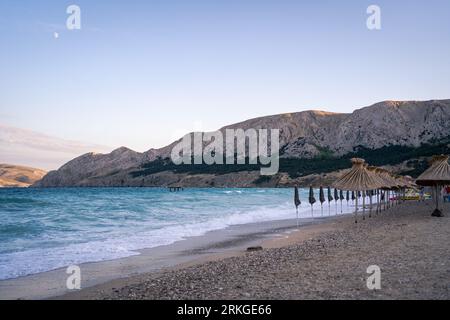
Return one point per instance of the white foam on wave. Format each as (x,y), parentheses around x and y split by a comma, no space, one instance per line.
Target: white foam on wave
(33,261)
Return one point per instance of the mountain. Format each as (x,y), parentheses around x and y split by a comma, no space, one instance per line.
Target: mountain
(400,134)
(19,176)
(26,147)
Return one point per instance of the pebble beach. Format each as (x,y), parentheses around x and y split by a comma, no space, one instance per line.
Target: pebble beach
(410,247)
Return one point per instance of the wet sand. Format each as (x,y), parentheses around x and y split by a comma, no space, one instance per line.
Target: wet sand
(322,261)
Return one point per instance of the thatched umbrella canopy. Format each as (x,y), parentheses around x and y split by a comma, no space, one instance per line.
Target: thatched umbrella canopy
(375,174)
(297,201)
(357,179)
(311,198)
(386,179)
(438,174)
(389,183)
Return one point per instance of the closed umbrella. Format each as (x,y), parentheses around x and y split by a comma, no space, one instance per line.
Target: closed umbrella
(321,199)
(297,201)
(330,198)
(336,198)
(311,199)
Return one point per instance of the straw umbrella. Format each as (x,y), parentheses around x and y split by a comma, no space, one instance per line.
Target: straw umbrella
(437,175)
(357,179)
(372,171)
(330,198)
(321,199)
(388,185)
(311,199)
(297,201)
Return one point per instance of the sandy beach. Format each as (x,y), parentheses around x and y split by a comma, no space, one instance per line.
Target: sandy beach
(326,260)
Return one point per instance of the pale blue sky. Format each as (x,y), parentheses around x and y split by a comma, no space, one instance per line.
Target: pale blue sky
(138,72)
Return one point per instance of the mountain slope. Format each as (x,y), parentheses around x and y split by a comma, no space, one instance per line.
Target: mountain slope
(19,176)
(303,135)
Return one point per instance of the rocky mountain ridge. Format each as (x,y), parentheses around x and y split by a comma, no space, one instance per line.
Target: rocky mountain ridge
(303,135)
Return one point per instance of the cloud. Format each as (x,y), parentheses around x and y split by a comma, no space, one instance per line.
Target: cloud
(26,147)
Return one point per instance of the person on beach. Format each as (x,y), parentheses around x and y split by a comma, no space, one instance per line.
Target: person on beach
(446,192)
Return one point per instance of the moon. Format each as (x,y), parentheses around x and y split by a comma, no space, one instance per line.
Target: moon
(56,35)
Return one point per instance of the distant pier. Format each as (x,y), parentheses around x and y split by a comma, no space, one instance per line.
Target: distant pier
(175,189)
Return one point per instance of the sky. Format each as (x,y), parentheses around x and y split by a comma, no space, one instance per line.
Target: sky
(142,73)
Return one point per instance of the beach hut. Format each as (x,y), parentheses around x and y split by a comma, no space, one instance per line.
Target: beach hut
(357,179)
(437,175)
(321,199)
(297,201)
(311,199)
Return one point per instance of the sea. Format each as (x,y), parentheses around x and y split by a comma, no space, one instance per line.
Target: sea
(44,229)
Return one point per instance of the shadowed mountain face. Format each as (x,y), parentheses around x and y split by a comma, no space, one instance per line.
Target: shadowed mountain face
(19,176)
(303,135)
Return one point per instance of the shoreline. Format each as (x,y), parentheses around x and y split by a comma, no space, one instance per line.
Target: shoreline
(211,246)
(328,260)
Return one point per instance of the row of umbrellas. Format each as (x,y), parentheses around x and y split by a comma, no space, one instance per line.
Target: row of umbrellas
(369,181)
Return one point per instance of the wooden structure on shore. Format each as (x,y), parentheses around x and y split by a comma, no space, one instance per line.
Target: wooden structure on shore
(175,189)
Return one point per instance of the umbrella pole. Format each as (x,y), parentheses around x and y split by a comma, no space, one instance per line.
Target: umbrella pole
(312,212)
(296,209)
(356,210)
(370,199)
(364,206)
(378,200)
(388,199)
(437,212)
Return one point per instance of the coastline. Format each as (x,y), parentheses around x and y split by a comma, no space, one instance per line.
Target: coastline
(328,260)
(213,245)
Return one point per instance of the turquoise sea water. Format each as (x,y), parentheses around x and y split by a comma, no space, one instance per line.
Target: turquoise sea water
(44,229)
